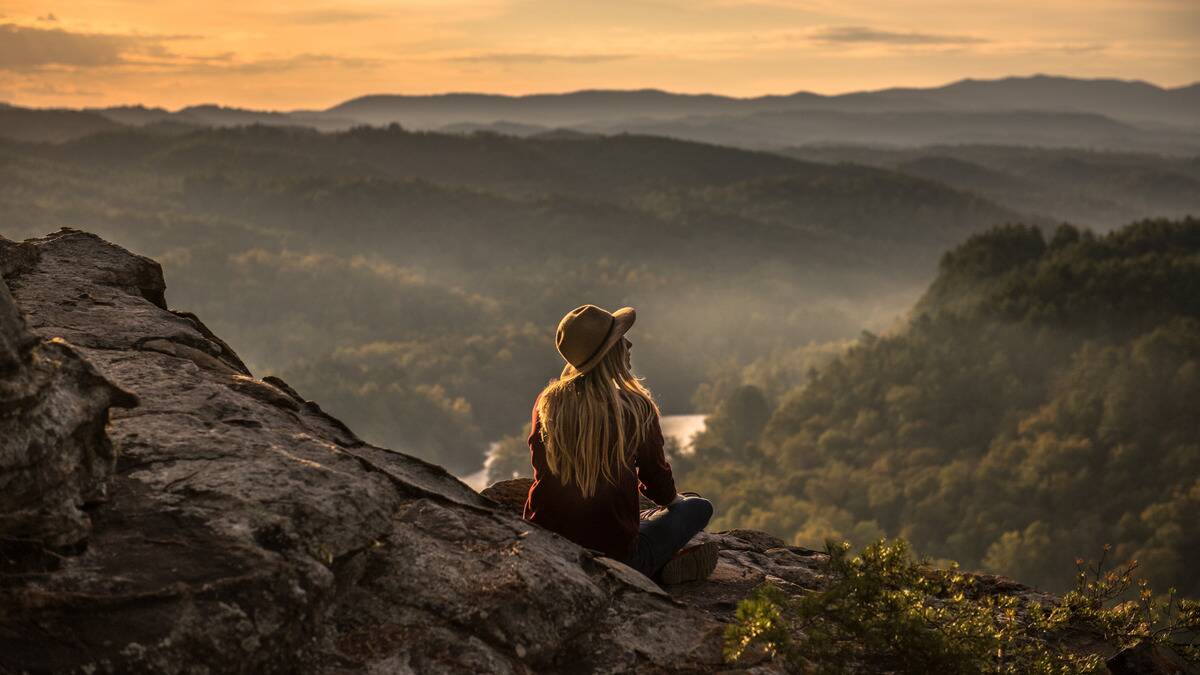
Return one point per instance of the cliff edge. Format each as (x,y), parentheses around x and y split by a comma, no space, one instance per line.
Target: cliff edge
(226,524)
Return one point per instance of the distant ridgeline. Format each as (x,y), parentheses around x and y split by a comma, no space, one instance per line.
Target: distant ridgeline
(1040,403)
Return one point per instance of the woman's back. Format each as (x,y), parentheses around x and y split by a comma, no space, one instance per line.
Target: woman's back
(607,520)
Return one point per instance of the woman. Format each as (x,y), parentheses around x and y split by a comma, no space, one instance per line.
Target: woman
(595,442)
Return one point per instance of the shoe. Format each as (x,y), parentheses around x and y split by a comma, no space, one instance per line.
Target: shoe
(693,563)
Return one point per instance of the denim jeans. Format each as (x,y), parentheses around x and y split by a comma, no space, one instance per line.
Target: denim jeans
(665,530)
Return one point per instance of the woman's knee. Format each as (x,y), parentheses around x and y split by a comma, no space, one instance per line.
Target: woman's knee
(701,508)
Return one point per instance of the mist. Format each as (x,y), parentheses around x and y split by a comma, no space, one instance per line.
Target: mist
(418,297)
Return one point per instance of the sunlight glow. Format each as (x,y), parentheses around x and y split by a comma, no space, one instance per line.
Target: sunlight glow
(316,54)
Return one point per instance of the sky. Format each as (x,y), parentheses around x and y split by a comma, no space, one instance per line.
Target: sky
(313,54)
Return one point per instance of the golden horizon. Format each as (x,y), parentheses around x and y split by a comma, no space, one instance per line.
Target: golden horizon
(315,55)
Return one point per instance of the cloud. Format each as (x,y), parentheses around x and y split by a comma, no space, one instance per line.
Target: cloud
(23,48)
(867,35)
(513,58)
(1077,48)
(29,48)
(329,15)
(50,89)
(295,62)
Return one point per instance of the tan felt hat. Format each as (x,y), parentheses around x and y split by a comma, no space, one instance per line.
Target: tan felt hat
(586,334)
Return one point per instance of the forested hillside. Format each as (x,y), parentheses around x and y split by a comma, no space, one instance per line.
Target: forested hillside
(1101,189)
(1041,402)
(414,279)
(25,124)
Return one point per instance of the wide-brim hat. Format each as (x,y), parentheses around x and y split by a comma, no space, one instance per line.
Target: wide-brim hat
(586,334)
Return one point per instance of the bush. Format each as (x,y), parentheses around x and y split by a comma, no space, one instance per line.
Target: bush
(1099,601)
(887,609)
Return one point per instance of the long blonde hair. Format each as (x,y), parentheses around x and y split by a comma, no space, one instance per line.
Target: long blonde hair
(585,418)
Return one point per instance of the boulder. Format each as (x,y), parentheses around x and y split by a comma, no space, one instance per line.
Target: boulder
(55,458)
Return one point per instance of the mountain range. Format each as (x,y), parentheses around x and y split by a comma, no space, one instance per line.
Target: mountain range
(1135,102)
(1039,111)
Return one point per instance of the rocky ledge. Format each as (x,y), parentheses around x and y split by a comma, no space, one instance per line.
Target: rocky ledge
(226,524)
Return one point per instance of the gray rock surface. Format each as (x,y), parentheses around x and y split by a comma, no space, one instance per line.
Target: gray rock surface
(245,530)
(55,458)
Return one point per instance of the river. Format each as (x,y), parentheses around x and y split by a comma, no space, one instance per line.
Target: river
(680,427)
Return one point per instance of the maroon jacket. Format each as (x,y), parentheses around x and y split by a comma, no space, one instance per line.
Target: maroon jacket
(608,520)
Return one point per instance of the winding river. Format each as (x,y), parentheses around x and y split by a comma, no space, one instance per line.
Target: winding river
(680,427)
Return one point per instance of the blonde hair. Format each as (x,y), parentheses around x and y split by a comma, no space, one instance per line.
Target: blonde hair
(585,419)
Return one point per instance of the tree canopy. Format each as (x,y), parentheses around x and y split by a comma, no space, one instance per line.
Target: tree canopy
(1039,403)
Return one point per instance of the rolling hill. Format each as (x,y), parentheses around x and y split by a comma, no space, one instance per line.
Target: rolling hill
(1080,186)
(1033,111)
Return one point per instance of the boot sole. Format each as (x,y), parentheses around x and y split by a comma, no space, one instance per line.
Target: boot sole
(694,564)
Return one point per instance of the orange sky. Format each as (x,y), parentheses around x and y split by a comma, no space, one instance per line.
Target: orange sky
(316,53)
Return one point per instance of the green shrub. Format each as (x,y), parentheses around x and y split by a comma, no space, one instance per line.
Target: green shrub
(1101,601)
(884,608)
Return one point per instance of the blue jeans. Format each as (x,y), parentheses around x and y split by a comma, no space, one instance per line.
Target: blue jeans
(665,530)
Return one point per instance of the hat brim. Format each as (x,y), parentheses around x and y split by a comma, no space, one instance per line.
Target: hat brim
(622,321)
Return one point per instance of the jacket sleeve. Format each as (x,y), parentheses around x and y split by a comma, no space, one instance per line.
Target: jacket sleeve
(537,458)
(537,449)
(654,471)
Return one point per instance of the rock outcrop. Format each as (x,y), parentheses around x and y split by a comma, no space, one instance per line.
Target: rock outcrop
(55,458)
(226,524)
(245,530)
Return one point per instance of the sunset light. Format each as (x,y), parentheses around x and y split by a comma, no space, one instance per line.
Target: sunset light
(314,54)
